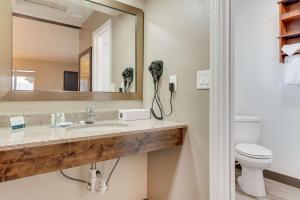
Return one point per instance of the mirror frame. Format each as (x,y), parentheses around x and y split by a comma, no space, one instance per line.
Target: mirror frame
(96,96)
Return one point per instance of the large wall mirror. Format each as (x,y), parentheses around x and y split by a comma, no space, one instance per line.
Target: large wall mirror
(76,50)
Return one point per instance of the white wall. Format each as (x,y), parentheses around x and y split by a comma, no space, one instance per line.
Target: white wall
(259,83)
(177,32)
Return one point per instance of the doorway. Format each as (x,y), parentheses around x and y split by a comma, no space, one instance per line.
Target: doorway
(222,101)
(102,50)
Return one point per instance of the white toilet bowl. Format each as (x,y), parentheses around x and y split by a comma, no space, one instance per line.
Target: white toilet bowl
(253,159)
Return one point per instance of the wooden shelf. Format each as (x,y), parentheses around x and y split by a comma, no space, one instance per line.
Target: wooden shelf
(289,24)
(292,35)
(30,161)
(288,2)
(290,16)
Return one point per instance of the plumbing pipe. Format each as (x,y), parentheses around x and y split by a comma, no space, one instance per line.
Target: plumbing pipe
(93,177)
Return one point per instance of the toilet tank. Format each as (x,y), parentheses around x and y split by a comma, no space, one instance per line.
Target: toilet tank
(247,129)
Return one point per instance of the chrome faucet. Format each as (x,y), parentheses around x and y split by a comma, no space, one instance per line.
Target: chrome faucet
(90,114)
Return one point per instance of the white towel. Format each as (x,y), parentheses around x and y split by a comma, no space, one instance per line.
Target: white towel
(292,70)
(290,49)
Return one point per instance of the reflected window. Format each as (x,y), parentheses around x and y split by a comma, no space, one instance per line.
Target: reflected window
(23,80)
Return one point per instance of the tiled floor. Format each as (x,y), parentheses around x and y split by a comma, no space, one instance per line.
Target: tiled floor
(275,191)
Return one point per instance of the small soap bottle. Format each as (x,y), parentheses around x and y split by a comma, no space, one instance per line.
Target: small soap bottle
(58,118)
(62,118)
(53,120)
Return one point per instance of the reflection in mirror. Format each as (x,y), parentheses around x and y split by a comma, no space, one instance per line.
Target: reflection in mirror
(85,68)
(67,45)
(23,79)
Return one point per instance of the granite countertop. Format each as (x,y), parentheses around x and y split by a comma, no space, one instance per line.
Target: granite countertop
(33,136)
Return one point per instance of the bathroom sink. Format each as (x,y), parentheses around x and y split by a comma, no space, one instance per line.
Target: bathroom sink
(97,127)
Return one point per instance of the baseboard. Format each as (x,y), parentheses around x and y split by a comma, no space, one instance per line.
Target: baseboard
(279,178)
(282,178)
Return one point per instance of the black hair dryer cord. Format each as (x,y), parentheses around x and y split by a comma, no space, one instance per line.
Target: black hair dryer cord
(157,101)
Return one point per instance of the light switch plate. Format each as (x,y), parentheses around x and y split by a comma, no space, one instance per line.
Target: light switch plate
(203,80)
(173,79)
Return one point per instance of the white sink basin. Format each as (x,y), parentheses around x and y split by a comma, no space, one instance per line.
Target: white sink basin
(97,127)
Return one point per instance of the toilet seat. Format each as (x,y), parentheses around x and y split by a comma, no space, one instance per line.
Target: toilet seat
(253,151)
(252,180)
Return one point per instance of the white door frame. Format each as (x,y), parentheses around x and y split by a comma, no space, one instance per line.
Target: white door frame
(222,186)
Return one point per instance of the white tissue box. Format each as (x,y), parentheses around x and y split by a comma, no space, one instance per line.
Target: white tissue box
(134,114)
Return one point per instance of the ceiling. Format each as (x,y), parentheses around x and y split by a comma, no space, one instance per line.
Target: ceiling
(73,12)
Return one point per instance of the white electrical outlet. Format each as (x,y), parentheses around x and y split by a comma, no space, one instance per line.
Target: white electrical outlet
(173,79)
(203,80)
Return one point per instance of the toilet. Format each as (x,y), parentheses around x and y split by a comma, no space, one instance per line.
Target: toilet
(252,157)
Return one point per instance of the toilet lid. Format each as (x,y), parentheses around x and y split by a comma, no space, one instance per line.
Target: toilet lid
(253,151)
